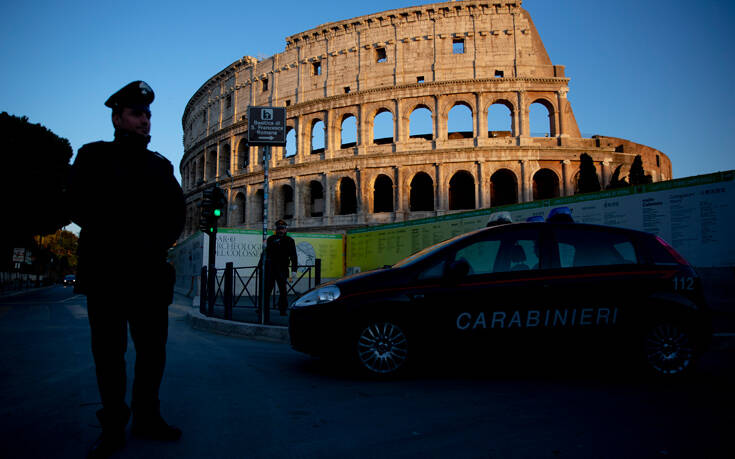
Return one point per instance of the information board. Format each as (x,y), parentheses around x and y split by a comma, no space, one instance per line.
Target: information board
(695,215)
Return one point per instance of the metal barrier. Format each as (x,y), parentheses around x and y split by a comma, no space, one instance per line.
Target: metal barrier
(237,291)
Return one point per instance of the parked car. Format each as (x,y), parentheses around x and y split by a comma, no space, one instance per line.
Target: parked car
(511,286)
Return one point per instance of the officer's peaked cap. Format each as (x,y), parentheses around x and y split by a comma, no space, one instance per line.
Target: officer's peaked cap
(134,95)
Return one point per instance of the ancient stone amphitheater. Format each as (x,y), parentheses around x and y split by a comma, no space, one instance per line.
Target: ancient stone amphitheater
(429,63)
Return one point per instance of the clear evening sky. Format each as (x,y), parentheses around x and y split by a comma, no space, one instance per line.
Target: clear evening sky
(657,72)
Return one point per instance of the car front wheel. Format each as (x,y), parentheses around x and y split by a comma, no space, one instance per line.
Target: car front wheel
(669,349)
(382,348)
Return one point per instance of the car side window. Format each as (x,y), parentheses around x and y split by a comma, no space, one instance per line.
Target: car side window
(579,247)
(496,253)
(480,256)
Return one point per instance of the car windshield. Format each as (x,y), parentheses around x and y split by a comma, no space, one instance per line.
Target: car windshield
(421,254)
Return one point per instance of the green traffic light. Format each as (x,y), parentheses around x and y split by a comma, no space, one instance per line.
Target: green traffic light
(211,230)
(217,212)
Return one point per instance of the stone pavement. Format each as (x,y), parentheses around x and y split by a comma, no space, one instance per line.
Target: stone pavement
(244,325)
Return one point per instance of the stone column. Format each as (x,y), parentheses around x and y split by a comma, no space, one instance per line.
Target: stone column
(399,130)
(398,205)
(478,124)
(566,179)
(360,198)
(300,149)
(438,189)
(329,199)
(440,124)
(328,135)
(561,97)
(524,182)
(479,204)
(605,173)
(362,130)
(522,122)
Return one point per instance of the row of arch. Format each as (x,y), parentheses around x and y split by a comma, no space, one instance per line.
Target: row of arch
(458,121)
(345,201)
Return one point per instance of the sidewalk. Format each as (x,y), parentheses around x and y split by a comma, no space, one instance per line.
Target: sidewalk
(278,332)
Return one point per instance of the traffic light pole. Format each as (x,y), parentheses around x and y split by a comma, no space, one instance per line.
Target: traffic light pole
(265,308)
(212,275)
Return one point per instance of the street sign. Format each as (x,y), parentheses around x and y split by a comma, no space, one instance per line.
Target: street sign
(267,126)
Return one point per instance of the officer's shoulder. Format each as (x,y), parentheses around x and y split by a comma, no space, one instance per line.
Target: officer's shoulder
(93,152)
(162,161)
(95,146)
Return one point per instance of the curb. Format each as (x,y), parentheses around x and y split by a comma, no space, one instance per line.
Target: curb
(270,333)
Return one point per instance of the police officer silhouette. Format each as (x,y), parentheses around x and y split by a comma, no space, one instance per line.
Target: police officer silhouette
(280,250)
(131,210)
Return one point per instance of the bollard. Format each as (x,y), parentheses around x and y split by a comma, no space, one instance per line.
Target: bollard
(228,290)
(211,290)
(203,292)
(317,271)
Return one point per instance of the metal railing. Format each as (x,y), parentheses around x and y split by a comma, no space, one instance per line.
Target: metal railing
(235,293)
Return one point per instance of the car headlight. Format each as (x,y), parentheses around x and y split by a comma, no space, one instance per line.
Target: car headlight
(319,296)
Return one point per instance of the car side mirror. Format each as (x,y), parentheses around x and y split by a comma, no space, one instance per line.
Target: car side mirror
(457,270)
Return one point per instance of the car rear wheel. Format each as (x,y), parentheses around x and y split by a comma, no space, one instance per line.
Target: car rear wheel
(669,349)
(382,348)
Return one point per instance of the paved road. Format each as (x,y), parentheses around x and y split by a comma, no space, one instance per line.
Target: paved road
(241,398)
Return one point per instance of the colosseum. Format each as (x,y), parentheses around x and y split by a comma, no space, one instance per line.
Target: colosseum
(427,64)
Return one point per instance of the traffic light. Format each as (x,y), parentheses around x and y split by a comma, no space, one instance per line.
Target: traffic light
(219,201)
(212,207)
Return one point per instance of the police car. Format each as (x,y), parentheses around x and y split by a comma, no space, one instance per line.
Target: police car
(513,284)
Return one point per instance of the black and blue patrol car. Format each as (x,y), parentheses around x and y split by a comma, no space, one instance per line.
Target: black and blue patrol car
(531,283)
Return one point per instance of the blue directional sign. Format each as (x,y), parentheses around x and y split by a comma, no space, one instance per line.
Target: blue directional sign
(267,126)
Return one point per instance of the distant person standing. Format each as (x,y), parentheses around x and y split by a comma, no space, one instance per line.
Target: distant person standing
(279,251)
(131,210)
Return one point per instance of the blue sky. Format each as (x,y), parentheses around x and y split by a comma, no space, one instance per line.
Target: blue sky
(652,71)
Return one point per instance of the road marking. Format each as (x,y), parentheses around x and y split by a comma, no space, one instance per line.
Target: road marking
(724,335)
(70,298)
(77,311)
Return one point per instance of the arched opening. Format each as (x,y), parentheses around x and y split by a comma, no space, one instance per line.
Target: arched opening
(193,175)
(238,211)
(545,184)
(317,137)
(291,148)
(224,160)
(348,132)
(243,154)
(503,188)
(419,124)
(500,119)
(287,201)
(422,193)
(316,199)
(211,164)
(383,127)
(459,122)
(347,197)
(541,119)
(462,191)
(200,169)
(383,194)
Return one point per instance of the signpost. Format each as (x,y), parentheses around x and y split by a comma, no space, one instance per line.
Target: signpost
(266,128)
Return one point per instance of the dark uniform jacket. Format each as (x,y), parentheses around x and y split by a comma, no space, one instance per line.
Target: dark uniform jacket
(131,210)
(278,253)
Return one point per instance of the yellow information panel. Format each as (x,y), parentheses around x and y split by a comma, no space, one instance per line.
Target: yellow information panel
(694,214)
(374,248)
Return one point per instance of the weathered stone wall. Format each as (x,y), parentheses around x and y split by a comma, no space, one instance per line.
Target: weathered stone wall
(470,53)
